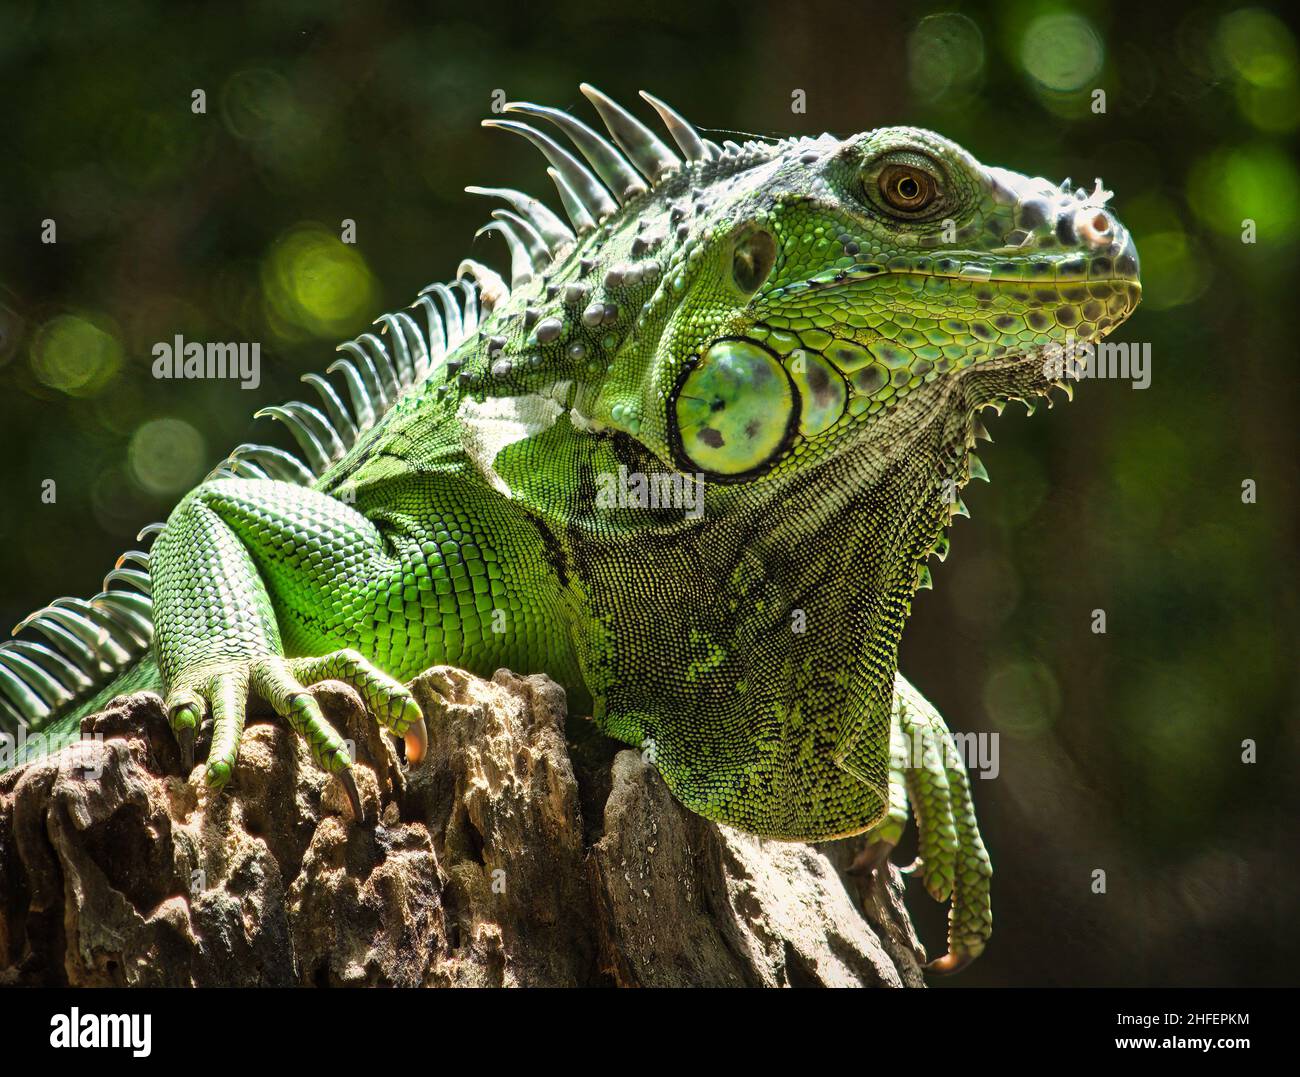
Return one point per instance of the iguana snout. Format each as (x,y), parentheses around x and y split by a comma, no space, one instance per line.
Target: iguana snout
(1061,223)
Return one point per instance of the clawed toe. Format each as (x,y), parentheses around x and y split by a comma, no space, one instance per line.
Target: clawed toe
(349,784)
(416,741)
(185,741)
(949,963)
(283,683)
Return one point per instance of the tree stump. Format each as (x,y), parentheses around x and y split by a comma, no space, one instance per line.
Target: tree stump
(522,853)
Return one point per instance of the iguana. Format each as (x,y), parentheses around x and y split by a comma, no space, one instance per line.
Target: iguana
(690,462)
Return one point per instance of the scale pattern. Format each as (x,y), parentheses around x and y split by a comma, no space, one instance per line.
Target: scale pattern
(690,460)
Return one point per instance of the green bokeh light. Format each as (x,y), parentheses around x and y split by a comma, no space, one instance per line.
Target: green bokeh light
(76,354)
(166,456)
(315,285)
(1173,720)
(945,55)
(1062,53)
(1175,269)
(152,149)
(1258,47)
(1259,50)
(1148,465)
(1256,182)
(1022,698)
(1275,109)
(258,104)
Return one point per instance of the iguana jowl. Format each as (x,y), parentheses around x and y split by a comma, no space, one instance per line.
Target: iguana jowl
(805,328)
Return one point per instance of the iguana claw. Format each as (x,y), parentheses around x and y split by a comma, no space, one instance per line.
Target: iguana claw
(225,687)
(185,740)
(949,963)
(416,740)
(349,784)
(184,718)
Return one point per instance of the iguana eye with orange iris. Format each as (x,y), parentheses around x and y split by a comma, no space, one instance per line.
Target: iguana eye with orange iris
(906,188)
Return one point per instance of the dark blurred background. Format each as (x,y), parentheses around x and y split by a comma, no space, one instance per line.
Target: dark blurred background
(1120,752)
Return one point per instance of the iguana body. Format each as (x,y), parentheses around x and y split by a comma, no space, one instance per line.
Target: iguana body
(806,328)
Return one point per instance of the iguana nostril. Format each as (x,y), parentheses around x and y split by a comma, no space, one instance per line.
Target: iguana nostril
(1094,226)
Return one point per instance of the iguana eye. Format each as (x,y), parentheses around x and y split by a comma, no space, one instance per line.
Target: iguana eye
(734,411)
(906,188)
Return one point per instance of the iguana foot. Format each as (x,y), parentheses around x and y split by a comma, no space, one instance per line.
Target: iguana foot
(926,768)
(387,699)
(223,689)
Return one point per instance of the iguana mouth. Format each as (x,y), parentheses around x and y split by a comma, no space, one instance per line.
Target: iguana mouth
(1011,317)
(1120,267)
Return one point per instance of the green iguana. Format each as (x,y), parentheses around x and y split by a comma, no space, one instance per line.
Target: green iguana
(690,463)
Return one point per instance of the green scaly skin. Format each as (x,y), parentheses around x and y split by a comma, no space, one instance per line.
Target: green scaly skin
(794,324)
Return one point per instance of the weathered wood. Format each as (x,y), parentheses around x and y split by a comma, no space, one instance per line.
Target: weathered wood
(517,855)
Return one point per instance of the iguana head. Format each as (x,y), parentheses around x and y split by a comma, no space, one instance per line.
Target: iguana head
(755,310)
(847,275)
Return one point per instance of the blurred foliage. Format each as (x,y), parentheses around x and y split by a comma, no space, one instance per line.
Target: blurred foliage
(1119,751)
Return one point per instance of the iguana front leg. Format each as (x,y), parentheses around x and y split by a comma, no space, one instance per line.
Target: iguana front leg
(927,770)
(218,632)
